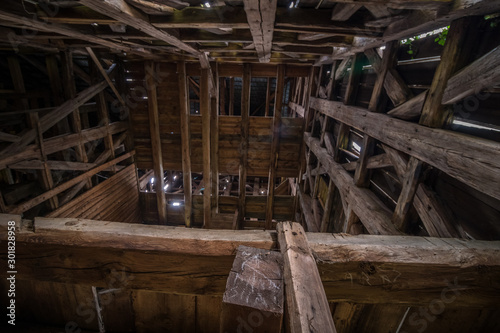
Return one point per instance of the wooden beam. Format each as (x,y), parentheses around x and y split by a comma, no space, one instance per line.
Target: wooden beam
(105,75)
(482,73)
(63,187)
(280,81)
(53,117)
(330,198)
(244,127)
(354,79)
(411,109)
(186,141)
(410,183)
(123,12)
(214,143)
(457,51)
(261,16)
(463,157)
(254,296)
(372,212)
(308,309)
(156,149)
(344,11)
(306,207)
(394,85)
(359,269)
(205,114)
(60,143)
(388,61)
(64,30)
(362,173)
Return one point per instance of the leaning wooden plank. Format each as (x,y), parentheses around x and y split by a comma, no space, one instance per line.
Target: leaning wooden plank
(254,296)
(185,142)
(388,62)
(63,187)
(435,216)
(409,183)
(482,73)
(411,109)
(105,75)
(123,12)
(9,137)
(156,150)
(261,16)
(371,211)
(53,117)
(463,157)
(308,308)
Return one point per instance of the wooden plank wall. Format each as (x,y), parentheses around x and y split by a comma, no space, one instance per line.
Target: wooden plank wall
(116,199)
(229,131)
(254,207)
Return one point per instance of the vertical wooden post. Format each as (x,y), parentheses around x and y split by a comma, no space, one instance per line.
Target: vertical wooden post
(154,125)
(354,78)
(186,142)
(245,119)
(362,173)
(268,96)
(214,144)
(280,81)
(205,118)
(231,96)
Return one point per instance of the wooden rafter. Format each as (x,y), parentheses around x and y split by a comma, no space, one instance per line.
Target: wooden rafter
(261,15)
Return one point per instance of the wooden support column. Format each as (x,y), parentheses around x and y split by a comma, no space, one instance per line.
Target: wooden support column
(245,120)
(342,141)
(456,54)
(254,296)
(214,143)
(362,173)
(231,96)
(308,308)
(354,78)
(186,142)
(268,97)
(154,125)
(205,116)
(280,80)
(325,220)
(70,93)
(388,61)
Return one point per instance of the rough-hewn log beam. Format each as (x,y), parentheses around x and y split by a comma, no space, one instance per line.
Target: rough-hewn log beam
(260,16)
(463,157)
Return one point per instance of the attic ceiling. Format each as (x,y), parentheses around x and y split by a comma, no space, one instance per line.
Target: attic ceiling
(301,31)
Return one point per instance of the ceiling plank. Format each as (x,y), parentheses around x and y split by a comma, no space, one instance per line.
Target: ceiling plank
(261,16)
(344,11)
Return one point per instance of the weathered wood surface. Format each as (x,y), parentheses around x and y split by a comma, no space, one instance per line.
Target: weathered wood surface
(261,16)
(365,268)
(308,309)
(482,73)
(465,158)
(372,212)
(254,296)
